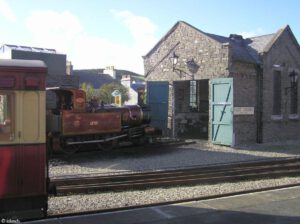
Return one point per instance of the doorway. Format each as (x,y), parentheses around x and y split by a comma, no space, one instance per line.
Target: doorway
(191,100)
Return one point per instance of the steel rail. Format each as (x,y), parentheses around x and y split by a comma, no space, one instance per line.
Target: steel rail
(199,175)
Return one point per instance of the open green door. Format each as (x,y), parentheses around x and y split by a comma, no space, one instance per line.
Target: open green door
(221,111)
(157,99)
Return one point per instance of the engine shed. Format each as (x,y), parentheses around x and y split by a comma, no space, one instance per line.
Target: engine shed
(227,90)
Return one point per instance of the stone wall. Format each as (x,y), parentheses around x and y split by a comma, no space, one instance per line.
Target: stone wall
(244,96)
(283,56)
(188,43)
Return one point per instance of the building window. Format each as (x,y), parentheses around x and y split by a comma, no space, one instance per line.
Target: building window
(294,98)
(193,96)
(277,93)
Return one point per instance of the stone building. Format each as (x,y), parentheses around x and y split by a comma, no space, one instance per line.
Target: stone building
(228,90)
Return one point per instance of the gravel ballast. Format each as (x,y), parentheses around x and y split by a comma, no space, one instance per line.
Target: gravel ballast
(88,202)
(128,160)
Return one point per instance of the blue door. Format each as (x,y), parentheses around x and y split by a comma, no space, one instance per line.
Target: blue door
(221,111)
(157,99)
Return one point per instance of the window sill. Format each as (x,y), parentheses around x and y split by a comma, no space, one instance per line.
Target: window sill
(277,117)
(294,116)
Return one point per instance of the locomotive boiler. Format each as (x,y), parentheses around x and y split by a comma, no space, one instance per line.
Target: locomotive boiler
(73,123)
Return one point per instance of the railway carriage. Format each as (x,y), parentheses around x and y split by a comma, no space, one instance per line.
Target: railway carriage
(23,159)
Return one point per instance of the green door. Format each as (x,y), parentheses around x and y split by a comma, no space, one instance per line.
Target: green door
(157,99)
(221,111)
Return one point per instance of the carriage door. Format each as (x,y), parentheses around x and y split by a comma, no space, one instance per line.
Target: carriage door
(157,99)
(32,138)
(221,91)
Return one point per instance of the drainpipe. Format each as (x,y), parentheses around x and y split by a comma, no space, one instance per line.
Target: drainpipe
(173,110)
(259,101)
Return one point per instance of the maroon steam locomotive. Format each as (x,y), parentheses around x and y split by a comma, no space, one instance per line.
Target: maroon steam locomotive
(72,123)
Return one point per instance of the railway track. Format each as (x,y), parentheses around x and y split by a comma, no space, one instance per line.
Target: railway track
(188,176)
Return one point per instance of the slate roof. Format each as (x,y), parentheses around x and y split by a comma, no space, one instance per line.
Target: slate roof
(27,48)
(97,78)
(260,42)
(246,50)
(92,77)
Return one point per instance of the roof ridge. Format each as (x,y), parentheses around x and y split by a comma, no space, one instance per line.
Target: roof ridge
(261,36)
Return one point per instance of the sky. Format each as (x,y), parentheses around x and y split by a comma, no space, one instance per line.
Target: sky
(100,33)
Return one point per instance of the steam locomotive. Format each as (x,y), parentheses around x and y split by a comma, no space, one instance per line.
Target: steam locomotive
(72,122)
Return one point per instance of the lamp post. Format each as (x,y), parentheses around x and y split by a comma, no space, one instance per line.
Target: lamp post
(191,66)
(174,60)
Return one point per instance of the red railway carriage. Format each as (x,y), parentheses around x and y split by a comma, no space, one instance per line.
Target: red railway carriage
(23,162)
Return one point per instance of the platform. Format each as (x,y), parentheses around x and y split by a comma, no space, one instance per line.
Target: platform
(276,206)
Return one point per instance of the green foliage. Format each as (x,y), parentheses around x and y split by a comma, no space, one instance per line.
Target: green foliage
(104,93)
(89,90)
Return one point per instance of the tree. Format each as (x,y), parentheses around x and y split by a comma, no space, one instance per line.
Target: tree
(104,93)
(89,90)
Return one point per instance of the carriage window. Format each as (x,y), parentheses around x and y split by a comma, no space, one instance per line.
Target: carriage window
(6,116)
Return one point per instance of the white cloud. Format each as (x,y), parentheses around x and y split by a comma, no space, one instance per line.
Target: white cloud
(258,32)
(141,28)
(53,30)
(64,32)
(6,11)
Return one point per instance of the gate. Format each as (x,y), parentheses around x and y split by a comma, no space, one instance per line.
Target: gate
(157,99)
(221,111)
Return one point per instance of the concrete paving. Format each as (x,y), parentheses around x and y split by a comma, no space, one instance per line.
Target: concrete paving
(277,206)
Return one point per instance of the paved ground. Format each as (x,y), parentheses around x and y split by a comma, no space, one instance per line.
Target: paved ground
(279,206)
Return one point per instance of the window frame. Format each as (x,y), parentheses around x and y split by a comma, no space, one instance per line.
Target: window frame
(277,93)
(193,96)
(294,99)
(8,135)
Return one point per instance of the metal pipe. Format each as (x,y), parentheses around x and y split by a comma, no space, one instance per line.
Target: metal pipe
(259,104)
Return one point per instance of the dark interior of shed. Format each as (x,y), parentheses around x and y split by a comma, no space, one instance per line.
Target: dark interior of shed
(191,109)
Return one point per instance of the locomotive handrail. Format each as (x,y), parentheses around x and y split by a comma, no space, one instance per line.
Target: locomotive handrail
(97,141)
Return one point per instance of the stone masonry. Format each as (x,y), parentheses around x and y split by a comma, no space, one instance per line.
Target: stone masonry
(250,62)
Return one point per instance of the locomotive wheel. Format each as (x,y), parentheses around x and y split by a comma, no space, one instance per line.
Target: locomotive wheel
(49,146)
(138,141)
(105,146)
(70,150)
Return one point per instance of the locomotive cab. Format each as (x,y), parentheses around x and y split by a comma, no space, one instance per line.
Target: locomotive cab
(60,99)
